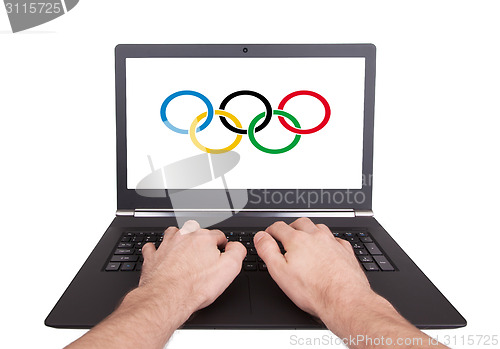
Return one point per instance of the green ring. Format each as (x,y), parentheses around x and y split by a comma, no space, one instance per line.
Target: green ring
(251,133)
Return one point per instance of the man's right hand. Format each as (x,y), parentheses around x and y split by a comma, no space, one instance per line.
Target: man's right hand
(322,276)
(316,268)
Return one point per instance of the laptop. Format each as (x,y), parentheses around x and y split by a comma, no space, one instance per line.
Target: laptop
(238,137)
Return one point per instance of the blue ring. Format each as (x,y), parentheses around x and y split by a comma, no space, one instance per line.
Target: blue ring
(208,120)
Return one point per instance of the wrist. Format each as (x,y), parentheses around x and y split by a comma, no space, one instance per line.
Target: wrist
(156,306)
(344,315)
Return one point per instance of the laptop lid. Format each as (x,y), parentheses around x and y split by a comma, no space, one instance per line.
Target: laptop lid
(255,127)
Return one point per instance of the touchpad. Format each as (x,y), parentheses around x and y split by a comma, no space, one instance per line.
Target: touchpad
(272,307)
(232,308)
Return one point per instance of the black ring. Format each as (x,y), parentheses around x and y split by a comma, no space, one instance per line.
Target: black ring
(267,119)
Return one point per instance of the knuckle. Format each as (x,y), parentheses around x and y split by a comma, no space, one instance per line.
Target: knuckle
(346,244)
(170,229)
(322,226)
(278,224)
(303,220)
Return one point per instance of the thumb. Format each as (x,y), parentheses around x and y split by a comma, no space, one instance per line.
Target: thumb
(268,250)
(148,250)
(230,265)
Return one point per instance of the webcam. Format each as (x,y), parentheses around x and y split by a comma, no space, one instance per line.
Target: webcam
(245,50)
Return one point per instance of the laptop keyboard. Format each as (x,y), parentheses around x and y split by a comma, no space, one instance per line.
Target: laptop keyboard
(127,254)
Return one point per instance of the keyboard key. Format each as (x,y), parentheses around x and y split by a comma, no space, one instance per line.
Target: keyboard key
(250,266)
(124,258)
(365,259)
(370,266)
(372,248)
(127,266)
(383,263)
(356,245)
(124,251)
(128,255)
(113,266)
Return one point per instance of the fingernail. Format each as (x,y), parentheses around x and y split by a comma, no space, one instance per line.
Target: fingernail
(258,237)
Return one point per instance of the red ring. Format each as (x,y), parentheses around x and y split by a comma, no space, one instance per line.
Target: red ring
(310,130)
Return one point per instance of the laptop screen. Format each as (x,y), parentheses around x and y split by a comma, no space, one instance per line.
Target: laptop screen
(294,122)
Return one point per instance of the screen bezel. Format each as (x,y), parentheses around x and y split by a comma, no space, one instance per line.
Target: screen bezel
(200,199)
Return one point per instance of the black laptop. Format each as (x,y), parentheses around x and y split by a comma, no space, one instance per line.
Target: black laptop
(238,137)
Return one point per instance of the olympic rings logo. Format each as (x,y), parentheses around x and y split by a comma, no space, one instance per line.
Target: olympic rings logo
(252,128)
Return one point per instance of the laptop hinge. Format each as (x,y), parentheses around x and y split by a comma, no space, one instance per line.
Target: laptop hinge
(243,212)
(125,213)
(298,212)
(363,213)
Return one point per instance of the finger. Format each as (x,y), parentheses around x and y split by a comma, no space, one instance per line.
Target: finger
(169,232)
(281,231)
(189,227)
(324,228)
(235,252)
(267,248)
(148,250)
(304,224)
(345,244)
(230,264)
(215,235)
(220,237)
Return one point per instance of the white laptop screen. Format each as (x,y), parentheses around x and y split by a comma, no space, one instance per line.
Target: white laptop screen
(314,138)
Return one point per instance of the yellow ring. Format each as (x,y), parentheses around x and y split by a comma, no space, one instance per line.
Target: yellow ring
(192,133)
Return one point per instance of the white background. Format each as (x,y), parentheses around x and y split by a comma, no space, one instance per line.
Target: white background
(339,80)
(436,141)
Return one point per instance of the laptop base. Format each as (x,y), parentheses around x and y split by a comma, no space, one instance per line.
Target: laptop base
(253,300)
